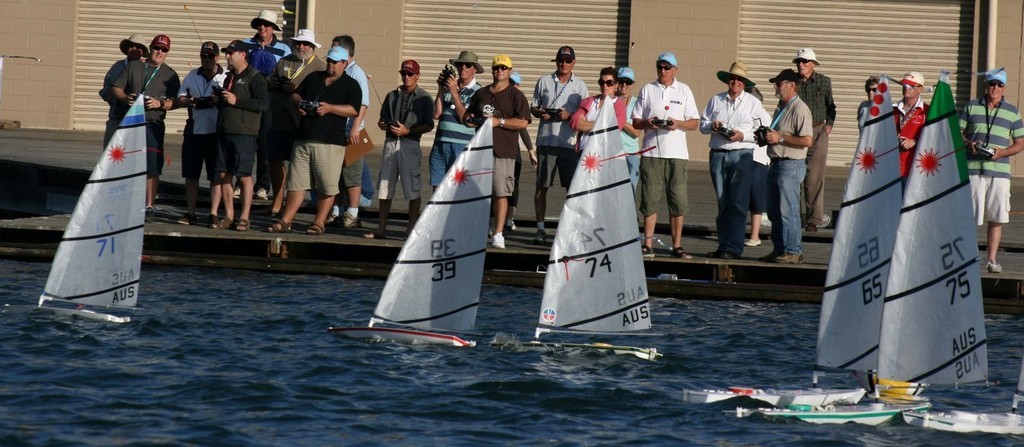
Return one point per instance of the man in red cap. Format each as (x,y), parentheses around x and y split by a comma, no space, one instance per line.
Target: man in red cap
(407,114)
(157,84)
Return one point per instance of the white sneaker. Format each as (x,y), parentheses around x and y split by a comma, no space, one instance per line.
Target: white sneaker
(511,225)
(752,243)
(994,267)
(498,241)
(262,194)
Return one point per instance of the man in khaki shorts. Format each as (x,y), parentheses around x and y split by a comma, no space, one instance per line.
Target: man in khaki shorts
(326,99)
(407,114)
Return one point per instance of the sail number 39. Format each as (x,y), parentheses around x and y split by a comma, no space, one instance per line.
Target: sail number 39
(442,249)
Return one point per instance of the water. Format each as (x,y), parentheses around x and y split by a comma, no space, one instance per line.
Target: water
(227,357)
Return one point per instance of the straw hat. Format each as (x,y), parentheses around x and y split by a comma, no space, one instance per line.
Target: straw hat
(135,40)
(737,69)
(468,57)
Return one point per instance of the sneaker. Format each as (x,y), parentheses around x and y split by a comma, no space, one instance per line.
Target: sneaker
(187,219)
(262,194)
(541,238)
(646,252)
(511,225)
(752,243)
(789,258)
(498,241)
(238,193)
(994,267)
(150,211)
(333,215)
(364,202)
(349,221)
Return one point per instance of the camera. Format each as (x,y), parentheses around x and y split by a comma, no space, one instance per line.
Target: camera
(982,148)
(662,123)
(392,123)
(555,114)
(449,72)
(725,131)
(761,135)
(205,102)
(309,107)
(476,120)
(217,90)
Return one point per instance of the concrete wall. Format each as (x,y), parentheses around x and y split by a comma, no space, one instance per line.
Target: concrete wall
(38,93)
(703,34)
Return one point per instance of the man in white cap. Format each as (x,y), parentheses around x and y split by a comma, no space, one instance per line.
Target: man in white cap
(815,89)
(665,109)
(730,118)
(265,50)
(992,132)
(910,113)
(290,71)
(134,48)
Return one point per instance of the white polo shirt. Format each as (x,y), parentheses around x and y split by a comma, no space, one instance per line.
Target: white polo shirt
(658,101)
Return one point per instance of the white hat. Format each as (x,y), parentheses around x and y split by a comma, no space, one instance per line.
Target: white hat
(912,78)
(306,35)
(806,54)
(268,16)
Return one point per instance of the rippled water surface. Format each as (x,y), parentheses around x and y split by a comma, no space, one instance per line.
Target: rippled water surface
(227,357)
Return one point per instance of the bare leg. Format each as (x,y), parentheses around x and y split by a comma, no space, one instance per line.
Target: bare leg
(247,191)
(152,182)
(292,205)
(540,203)
(353,196)
(227,194)
(676,224)
(995,235)
(323,207)
(499,206)
(216,186)
(755,226)
(278,174)
(414,214)
(384,208)
(191,194)
(649,223)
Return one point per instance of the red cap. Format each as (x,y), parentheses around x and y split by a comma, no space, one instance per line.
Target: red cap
(410,66)
(161,41)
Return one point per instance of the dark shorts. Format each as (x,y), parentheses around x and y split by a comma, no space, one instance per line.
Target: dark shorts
(154,149)
(352,175)
(759,188)
(279,144)
(197,150)
(236,154)
(551,159)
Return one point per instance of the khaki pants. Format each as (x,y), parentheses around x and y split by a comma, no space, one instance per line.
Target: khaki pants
(814,183)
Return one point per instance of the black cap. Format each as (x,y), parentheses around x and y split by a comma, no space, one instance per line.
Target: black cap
(209,47)
(236,45)
(563,52)
(786,75)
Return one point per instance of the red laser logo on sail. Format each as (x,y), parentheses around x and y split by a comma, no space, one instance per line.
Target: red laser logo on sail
(867,160)
(117,154)
(591,162)
(460,177)
(928,162)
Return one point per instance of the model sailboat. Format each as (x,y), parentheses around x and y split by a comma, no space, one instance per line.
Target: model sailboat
(434,286)
(95,272)
(858,268)
(595,281)
(932,328)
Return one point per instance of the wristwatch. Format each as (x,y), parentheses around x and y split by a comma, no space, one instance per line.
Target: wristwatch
(501,122)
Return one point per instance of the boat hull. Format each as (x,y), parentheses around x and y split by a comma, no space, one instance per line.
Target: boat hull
(965,422)
(405,336)
(651,354)
(778,398)
(870,414)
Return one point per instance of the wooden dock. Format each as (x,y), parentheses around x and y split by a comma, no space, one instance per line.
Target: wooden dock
(48,164)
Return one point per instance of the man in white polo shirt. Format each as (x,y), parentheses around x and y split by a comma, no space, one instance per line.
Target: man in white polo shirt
(664,110)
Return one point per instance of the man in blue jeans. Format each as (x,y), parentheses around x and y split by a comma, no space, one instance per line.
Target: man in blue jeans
(730,117)
(792,132)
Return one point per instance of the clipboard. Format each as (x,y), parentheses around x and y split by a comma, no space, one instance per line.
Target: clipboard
(355,152)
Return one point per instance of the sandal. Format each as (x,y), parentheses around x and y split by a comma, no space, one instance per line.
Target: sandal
(647,252)
(240,225)
(279,227)
(315,229)
(216,223)
(678,252)
(375,236)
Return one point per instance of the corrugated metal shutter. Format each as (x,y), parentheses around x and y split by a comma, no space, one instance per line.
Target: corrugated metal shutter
(434,31)
(855,39)
(103,23)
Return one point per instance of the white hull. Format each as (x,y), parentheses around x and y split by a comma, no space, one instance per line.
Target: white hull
(778,398)
(405,336)
(87,314)
(870,414)
(964,422)
(651,354)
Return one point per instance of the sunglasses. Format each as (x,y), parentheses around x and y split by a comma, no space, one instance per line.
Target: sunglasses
(803,61)
(607,82)
(996,84)
(564,60)
(206,56)
(500,68)
(406,74)
(463,65)
(626,82)
(664,67)
(872,90)
(160,49)
(736,78)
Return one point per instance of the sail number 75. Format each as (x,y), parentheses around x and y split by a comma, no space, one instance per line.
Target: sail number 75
(951,255)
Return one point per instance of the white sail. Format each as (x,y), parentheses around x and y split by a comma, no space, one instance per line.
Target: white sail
(98,261)
(595,278)
(435,283)
(858,269)
(933,328)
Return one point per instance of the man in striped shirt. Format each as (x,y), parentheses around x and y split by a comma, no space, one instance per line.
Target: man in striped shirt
(453,95)
(992,133)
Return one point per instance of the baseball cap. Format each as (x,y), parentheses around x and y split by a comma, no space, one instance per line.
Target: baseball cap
(626,73)
(209,48)
(161,41)
(668,57)
(912,78)
(998,74)
(565,51)
(515,78)
(410,66)
(502,59)
(235,45)
(786,75)
(337,54)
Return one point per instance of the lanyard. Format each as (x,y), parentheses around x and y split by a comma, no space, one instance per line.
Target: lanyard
(301,67)
(150,76)
(993,121)
(557,91)
(778,114)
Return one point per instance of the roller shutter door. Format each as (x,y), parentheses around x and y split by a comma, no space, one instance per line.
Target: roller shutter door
(855,39)
(103,23)
(434,31)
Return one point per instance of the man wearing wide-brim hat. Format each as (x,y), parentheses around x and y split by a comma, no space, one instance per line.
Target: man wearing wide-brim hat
(730,118)
(450,104)
(134,48)
(265,51)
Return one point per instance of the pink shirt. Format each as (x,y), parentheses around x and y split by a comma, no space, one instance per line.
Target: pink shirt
(588,111)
